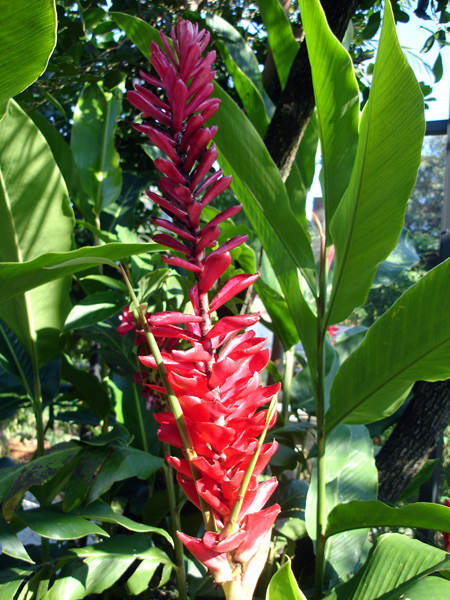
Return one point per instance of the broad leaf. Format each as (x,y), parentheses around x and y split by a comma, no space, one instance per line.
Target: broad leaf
(35,217)
(395,564)
(242,65)
(282,43)
(356,515)
(10,543)
(82,475)
(94,126)
(27,38)
(282,264)
(17,278)
(283,585)
(18,480)
(94,308)
(247,155)
(63,156)
(403,346)
(51,522)
(140,33)
(88,386)
(336,94)
(370,217)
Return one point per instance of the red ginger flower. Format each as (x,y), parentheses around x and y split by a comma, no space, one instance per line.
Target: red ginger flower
(217,380)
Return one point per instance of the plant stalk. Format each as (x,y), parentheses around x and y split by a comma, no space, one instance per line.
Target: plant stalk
(176,526)
(287,382)
(175,406)
(320,414)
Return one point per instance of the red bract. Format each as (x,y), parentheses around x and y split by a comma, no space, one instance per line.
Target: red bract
(216,378)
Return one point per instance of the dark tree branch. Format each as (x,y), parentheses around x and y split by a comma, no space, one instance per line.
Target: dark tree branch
(413,439)
(297,100)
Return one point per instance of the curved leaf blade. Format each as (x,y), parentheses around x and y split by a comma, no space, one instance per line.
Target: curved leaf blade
(336,94)
(403,346)
(369,219)
(373,513)
(283,585)
(27,43)
(17,278)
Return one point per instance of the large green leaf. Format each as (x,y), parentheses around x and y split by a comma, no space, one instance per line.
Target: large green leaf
(27,39)
(403,346)
(140,33)
(94,126)
(395,564)
(281,39)
(242,65)
(357,480)
(88,386)
(63,156)
(50,522)
(357,514)
(95,308)
(283,585)
(17,278)
(368,222)
(102,565)
(35,217)
(10,543)
(17,481)
(336,94)
(247,155)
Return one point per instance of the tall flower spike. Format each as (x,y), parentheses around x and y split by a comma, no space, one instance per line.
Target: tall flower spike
(216,379)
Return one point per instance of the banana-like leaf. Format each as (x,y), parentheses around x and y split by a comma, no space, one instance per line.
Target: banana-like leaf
(35,217)
(282,264)
(27,38)
(357,514)
(395,564)
(17,278)
(140,33)
(410,342)
(10,543)
(369,219)
(94,125)
(243,67)
(282,42)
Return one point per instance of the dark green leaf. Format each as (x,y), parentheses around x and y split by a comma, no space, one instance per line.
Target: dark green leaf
(85,470)
(17,278)
(282,42)
(10,543)
(438,68)
(51,522)
(88,386)
(422,476)
(94,308)
(403,257)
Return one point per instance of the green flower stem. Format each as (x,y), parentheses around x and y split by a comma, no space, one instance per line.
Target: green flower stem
(176,526)
(139,315)
(232,523)
(287,382)
(320,414)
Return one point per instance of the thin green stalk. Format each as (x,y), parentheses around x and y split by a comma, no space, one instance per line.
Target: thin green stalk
(320,414)
(287,382)
(232,523)
(176,526)
(177,411)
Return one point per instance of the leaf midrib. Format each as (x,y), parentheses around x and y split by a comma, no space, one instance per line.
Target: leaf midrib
(387,381)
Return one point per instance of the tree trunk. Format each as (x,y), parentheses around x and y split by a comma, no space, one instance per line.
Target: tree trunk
(413,439)
(296,104)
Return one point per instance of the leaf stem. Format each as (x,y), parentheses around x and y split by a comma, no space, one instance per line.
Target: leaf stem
(176,526)
(320,414)
(287,382)
(175,406)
